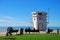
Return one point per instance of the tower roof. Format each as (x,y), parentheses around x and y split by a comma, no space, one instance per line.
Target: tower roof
(39,12)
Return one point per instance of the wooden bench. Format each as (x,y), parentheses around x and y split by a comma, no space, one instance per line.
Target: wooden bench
(29,30)
(13,31)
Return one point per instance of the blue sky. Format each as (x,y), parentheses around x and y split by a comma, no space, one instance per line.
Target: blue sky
(19,12)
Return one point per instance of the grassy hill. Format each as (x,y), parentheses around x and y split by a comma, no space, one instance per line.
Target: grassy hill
(32,37)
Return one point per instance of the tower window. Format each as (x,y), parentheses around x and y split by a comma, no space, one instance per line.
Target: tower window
(39,13)
(34,14)
(34,19)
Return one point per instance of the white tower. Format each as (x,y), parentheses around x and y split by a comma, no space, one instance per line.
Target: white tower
(39,20)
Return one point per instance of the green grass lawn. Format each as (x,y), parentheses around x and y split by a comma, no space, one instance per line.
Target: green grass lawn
(32,37)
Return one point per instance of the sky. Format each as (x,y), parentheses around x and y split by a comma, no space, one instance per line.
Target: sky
(19,12)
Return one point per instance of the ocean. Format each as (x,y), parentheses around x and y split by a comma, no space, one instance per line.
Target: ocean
(15,27)
(24,27)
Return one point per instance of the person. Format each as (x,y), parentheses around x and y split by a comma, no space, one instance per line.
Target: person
(9,30)
(49,30)
(21,31)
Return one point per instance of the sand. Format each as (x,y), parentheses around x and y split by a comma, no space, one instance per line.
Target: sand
(3,32)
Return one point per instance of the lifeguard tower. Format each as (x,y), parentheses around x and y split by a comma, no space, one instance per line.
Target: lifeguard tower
(39,20)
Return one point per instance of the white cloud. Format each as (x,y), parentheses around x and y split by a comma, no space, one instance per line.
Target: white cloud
(56,23)
(7,17)
(1,20)
(10,24)
(10,21)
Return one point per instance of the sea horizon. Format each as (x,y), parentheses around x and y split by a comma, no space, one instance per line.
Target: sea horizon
(25,27)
